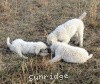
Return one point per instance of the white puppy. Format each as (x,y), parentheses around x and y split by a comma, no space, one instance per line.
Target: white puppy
(20,46)
(69,53)
(64,32)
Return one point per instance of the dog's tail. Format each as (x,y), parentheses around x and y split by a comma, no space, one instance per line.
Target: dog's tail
(8,42)
(83,15)
(90,56)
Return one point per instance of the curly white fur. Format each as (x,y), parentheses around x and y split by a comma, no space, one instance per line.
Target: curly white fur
(66,31)
(22,47)
(69,53)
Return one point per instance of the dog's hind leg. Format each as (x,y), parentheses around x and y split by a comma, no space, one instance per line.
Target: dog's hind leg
(80,35)
(81,40)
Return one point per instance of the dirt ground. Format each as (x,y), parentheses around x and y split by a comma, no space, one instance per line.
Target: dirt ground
(33,20)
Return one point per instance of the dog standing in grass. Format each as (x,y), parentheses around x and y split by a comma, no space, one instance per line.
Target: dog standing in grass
(64,32)
(22,47)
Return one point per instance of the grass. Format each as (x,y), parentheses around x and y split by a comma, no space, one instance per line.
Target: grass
(33,20)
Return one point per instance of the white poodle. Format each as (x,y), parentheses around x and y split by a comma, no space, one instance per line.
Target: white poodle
(69,53)
(20,46)
(64,32)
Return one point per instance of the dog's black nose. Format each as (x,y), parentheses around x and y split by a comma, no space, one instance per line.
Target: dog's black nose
(49,50)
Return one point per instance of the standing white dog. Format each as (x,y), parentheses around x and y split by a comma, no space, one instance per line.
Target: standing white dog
(64,32)
(69,53)
(20,46)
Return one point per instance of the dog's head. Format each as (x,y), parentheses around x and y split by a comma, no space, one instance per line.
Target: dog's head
(45,52)
(51,39)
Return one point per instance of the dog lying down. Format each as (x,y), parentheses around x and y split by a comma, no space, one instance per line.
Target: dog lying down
(69,53)
(21,47)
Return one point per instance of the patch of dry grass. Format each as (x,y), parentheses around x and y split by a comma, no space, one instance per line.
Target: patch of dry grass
(33,20)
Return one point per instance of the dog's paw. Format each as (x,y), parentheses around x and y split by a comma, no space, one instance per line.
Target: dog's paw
(25,57)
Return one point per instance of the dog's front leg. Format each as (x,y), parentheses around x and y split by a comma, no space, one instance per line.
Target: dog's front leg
(66,40)
(55,59)
(20,54)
